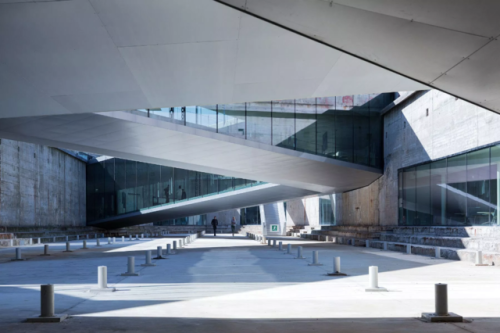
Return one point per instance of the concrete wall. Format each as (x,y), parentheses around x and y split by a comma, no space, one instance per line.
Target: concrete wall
(427,126)
(302,212)
(225,217)
(40,186)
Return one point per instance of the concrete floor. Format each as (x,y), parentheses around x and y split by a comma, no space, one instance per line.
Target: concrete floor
(227,284)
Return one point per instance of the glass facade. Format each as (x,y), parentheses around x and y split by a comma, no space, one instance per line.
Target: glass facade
(116,186)
(462,190)
(250,215)
(347,128)
(190,220)
(326,216)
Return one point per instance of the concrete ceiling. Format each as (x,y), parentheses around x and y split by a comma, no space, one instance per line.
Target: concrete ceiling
(451,45)
(79,56)
(247,197)
(129,136)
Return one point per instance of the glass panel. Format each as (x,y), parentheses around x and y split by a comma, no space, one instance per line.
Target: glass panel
(181,181)
(251,215)
(284,124)
(156,194)
(239,183)
(326,127)
(144,198)
(377,103)
(457,191)
(225,184)
(259,122)
(204,118)
(213,184)
(344,128)
(305,125)
(109,188)
(478,187)
(361,130)
(409,204)
(325,211)
(400,197)
(495,184)
(120,185)
(231,120)
(423,195)
(438,192)
(167,184)
(130,187)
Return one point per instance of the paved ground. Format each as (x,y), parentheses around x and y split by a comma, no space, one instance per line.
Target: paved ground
(228,284)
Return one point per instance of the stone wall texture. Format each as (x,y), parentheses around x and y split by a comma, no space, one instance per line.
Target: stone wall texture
(429,125)
(40,186)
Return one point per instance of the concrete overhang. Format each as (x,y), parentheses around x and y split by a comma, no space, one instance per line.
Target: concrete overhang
(129,136)
(84,56)
(447,45)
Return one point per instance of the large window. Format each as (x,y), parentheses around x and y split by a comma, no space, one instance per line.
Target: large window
(457,191)
(346,128)
(326,216)
(116,186)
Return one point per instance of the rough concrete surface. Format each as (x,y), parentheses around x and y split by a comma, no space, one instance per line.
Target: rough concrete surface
(234,284)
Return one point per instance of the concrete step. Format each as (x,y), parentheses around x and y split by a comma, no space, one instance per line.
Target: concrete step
(477,231)
(352,234)
(471,243)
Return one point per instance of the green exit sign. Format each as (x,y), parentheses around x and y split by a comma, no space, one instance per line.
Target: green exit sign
(274,227)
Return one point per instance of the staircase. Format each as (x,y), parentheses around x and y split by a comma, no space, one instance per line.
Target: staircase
(455,243)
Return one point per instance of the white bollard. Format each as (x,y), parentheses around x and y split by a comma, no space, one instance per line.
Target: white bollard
(102,277)
(130,267)
(174,245)
(68,248)
(169,250)
(385,246)
(114,240)
(180,244)
(408,248)
(85,245)
(53,239)
(130,238)
(67,238)
(367,243)
(289,249)
(98,242)
(18,255)
(39,240)
(136,236)
(142,236)
(159,253)
(45,250)
(148,260)
(109,240)
(123,239)
(437,253)
(373,280)
(77,238)
(299,253)
(336,268)
(479,259)
(441,313)
(315,259)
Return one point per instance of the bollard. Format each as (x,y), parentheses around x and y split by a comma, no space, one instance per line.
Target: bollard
(102,280)
(18,255)
(479,259)
(274,242)
(130,238)
(68,249)
(353,242)
(39,240)
(130,267)
(123,239)
(85,245)
(142,235)
(367,243)
(148,260)
(47,313)
(373,280)
(299,253)
(180,243)
(53,239)
(109,240)
(289,249)
(336,268)
(77,237)
(408,248)
(174,245)
(437,253)
(169,249)
(280,246)
(114,240)
(385,246)
(136,236)
(315,258)
(45,250)
(98,242)
(88,236)
(67,238)
(441,313)
(269,242)
(159,254)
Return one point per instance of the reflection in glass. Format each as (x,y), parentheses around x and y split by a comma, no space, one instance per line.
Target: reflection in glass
(284,124)
(259,122)
(231,120)
(438,192)
(495,185)
(423,195)
(326,216)
(305,125)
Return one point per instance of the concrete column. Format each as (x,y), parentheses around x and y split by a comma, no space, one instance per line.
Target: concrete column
(47,300)
(441,291)
(102,277)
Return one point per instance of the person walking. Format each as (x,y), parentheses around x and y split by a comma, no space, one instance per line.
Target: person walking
(233,225)
(215,223)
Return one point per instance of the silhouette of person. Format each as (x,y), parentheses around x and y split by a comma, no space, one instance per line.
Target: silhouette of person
(184,195)
(179,193)
(215,223)
(167,193)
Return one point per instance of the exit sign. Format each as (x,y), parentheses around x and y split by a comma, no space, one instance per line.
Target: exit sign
(274,227)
